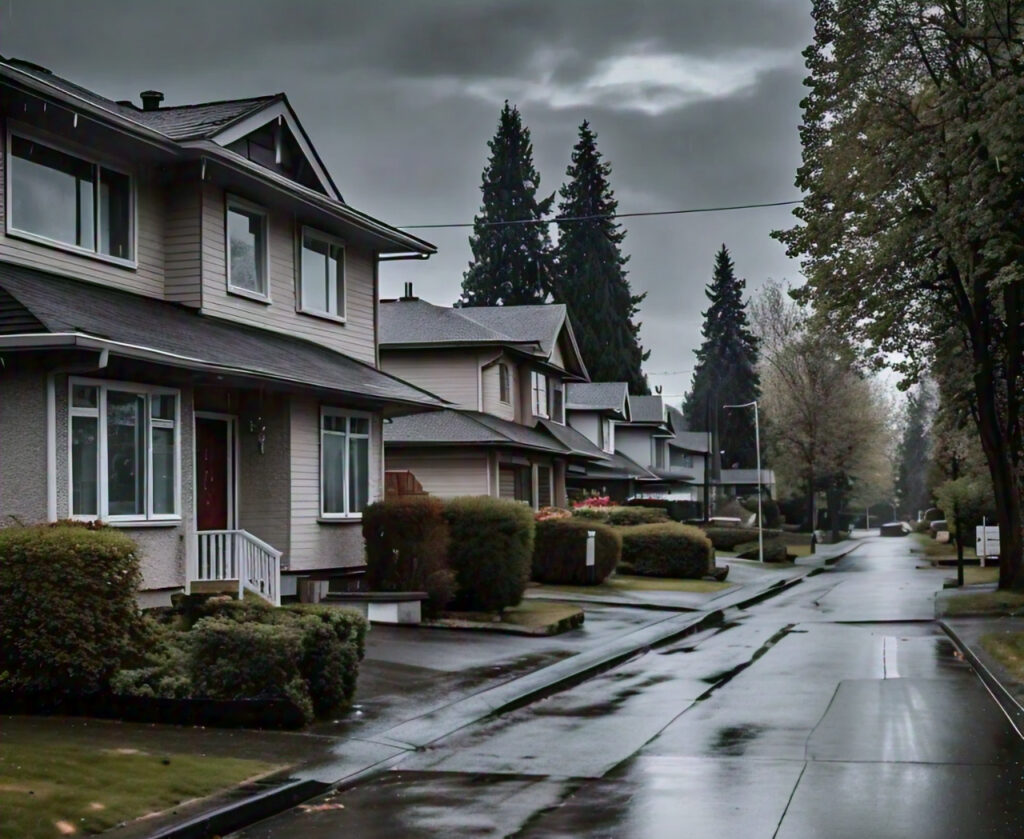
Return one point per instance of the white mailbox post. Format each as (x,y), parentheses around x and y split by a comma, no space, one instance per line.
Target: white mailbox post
(986,541)
(591,569)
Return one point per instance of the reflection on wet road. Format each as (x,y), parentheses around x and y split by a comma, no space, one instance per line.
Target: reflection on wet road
(836,709)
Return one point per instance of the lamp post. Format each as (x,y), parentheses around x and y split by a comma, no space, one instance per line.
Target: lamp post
(757,446)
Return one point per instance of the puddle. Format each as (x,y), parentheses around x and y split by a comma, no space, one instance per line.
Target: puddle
(733,740)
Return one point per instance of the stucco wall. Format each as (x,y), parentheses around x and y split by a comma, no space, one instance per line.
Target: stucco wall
(22,441)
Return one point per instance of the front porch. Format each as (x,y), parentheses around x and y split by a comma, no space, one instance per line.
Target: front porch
(233,561)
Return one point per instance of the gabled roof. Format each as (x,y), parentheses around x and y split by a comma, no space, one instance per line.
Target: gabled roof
(577,444)
(199,121)
(467,428)
(646,409)
(411,323)
(691,441)
(620,467)
(73,313)
(607,397)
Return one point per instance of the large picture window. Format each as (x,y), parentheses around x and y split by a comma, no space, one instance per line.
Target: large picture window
(247,256)
(69,200)
(322,275)
(344,463)
(124,444)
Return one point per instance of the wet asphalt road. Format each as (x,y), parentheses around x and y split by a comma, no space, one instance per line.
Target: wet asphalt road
(836,709)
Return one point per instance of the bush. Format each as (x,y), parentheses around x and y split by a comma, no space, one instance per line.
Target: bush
(68,615)
(491,543)
(676,510)
(667,550)
(591,513)
(560,551)
(727,538)
(244,660)
(774,551)
(629,516)
(593,501)
(545,513)
(406,548)
(769,509)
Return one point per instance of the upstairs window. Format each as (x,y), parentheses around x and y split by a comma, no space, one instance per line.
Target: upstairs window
(539,387)
(247,256)
(504,385)
(69,200)
(556,402)
(322,275)
(607,435)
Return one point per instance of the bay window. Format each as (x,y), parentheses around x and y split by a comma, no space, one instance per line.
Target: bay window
(69,200)
(344,463)
(322,275)
(123,445)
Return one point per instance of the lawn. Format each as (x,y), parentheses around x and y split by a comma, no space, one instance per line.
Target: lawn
(625,583)
(984,603)
(51,786)
(938,550)
(530,617)
(974,574)
(1008,649)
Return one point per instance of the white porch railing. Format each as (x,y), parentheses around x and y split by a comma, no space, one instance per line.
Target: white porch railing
(237,555)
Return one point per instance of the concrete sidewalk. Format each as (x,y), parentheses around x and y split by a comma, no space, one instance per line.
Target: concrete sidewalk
(418,686)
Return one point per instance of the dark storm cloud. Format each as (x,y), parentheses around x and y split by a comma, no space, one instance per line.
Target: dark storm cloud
(695,104)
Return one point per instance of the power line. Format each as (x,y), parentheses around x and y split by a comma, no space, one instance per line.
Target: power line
(564,219)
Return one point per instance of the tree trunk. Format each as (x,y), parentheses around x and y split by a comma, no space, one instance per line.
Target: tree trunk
(833,494)
(812,523)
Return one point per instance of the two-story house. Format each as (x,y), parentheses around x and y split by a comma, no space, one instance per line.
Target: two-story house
(505,370)
(188,334)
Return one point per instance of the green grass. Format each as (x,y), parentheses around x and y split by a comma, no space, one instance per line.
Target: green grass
(530,617)
(974,574)
(937,550)
(51,787)
(534,614)
(984,603)
(624,583)
(1008,649)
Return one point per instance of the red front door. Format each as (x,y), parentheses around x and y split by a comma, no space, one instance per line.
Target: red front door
(213,475)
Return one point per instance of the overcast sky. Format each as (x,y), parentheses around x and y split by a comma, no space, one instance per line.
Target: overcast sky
(695,102)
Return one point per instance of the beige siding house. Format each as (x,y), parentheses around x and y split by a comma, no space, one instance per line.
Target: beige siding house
(188,335)
(505,370)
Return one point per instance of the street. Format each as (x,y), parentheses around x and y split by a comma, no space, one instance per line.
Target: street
(835,709)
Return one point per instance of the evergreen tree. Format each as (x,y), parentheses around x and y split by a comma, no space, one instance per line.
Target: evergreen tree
(591,276)
(511,263)
(915,450)
(726,371)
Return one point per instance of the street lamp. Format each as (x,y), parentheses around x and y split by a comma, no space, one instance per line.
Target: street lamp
(757,445)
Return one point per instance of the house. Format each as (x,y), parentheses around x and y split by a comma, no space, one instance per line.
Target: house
(188,335)
(637,432)
(505,370)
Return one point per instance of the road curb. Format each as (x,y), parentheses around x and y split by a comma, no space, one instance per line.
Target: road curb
(999,692)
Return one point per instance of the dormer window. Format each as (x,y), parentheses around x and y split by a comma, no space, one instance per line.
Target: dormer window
(247,256)
(322,275)
(66,199)
(539,387)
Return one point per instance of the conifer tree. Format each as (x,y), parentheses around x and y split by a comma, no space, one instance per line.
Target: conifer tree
(915,451)
(511,263)
(590,274)
(726,371)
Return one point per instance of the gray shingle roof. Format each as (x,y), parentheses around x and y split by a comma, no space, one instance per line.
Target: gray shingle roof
(64,305)
(441,428)
(597,396)
(691,441)
(576,443)
(620,467)
(746,476)
(646,409)
(419,323)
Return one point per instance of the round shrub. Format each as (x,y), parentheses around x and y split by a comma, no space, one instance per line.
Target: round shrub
(491,543)
(774,551)
(68,615)
(667,550)
(406,548)
(560,551)
(727,538)
(591,513)
(629,516)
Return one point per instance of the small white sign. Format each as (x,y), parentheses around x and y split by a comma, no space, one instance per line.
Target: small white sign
(591,534)
(986,541)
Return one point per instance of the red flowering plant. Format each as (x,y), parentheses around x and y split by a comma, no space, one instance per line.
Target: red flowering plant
(546,513)
(594,501)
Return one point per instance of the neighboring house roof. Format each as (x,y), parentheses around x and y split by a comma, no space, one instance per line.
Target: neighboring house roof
(691,441)
(647,409)
(413,323)
(673,474)
(610,397)
(72,313)
(203,130)
(746,476)
(467,428)
(577,444)
(620,467)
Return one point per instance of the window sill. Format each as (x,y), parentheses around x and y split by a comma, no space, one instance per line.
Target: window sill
(129,264)
(144,523)
(322,315)
(249,295)
(353,519)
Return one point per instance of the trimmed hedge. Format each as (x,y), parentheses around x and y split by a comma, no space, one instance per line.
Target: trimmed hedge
(406,548)
(675,510)
(774,551)
(68,615)
(667,550)
(489,550)
(622,516)
(560,551)
(727,538)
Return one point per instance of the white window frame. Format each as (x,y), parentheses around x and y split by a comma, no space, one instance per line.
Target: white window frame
(609,434)
(341,306)
(326,411)
(504,383)
(15,129)
(100,414)
(233,202)
(539,388)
